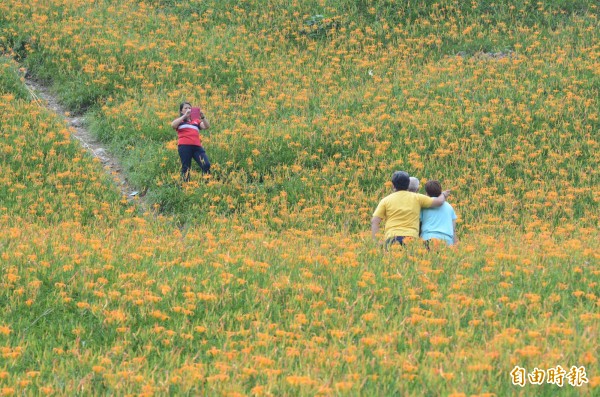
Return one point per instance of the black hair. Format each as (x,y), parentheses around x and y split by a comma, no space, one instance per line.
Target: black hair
(401,180)
(182,105)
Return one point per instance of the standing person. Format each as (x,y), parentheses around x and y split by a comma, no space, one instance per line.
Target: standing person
(438,223)
(413,185)
(401,210)
(189,142)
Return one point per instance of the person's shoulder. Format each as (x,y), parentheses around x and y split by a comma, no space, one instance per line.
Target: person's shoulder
(402,193)
(450,208)
(423,198)
(388,197)
(395,194)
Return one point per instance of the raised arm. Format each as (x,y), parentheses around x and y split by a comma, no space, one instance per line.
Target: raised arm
(175,123)
(204,124)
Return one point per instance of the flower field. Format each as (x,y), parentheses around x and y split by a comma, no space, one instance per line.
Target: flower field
(262,279)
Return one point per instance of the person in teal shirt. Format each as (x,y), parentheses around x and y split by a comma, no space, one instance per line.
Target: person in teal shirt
(438,223)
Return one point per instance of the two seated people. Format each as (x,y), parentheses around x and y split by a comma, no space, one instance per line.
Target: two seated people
(404,210)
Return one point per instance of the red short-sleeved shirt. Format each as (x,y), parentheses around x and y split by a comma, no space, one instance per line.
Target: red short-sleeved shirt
(188,133)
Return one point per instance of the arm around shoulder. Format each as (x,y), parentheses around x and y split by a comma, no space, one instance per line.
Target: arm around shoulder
(441,199)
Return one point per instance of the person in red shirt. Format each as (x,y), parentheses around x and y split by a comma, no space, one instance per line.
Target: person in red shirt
(189,142)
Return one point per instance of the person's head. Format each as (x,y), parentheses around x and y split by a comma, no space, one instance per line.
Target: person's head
(413,184)
(400,180)
(433,188)
(184,106)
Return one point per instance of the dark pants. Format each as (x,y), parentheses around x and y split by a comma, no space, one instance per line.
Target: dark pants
(394,240)
(189,152)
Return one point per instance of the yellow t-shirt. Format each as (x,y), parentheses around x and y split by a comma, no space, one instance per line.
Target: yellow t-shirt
(401,213)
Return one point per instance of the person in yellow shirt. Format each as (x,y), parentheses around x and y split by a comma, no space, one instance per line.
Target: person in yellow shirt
(401,210)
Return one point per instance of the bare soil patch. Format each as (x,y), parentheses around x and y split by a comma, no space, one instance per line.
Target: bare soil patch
(43,95)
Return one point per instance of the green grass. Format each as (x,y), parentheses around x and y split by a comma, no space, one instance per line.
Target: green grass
(264,277)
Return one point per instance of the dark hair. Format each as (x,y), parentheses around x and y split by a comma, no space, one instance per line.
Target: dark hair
(433,188)
(400,180)
(182,105)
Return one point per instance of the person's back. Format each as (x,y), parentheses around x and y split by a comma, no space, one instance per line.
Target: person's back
(438,223)
(401,209)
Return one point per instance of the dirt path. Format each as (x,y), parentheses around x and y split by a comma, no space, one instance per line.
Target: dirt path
(45,98)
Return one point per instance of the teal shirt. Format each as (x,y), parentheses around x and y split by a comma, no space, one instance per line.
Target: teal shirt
(437,223)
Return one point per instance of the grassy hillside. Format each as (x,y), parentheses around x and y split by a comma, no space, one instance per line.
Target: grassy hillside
(262,280)
(323,101)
